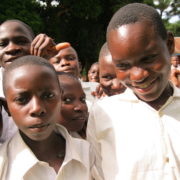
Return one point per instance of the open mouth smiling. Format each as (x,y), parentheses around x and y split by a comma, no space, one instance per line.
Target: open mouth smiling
(145,86)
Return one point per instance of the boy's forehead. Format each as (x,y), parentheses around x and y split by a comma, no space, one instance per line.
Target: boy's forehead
(13,27)
(106,59)
(139,28)
(132,37)
(67,79)
(31,71)
(69,50)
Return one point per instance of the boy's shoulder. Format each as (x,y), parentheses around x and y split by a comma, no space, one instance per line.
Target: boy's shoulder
(127,96)
(176,91)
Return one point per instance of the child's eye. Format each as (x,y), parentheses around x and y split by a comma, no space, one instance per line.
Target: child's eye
(149,59)
(56,61)
(47,95)
(21,41)
(3,44)
(67,100)
(107,77)
(83,99)
(21,100)
(70,58)
(123,66)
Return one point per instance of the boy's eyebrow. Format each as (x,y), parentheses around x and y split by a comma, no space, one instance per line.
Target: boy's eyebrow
(70,55)
(176,54)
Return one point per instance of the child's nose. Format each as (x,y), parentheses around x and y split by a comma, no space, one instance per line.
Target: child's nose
(78,106)
(138,74)
(37,107)
(64,62)
(116,84)
(13,48)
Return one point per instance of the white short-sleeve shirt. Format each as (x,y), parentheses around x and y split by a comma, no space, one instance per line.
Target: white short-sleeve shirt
(133,141)
(17,161)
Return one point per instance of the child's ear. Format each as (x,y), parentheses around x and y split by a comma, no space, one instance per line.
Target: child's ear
(170,42)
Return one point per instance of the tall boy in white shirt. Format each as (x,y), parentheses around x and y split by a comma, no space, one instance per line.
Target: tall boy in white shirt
(135,135)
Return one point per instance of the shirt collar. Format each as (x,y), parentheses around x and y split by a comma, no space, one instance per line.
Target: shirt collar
(76,148)
(21,155)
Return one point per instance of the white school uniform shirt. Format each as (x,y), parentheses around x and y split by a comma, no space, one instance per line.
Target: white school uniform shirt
(17,161)
(88,88)
(133,141)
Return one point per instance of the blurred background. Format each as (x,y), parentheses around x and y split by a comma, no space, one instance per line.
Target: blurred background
(83,23)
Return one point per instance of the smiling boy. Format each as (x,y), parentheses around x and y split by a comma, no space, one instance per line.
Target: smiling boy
(135,135)
(109,82)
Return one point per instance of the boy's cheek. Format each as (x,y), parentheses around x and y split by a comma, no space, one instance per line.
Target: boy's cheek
(121,75)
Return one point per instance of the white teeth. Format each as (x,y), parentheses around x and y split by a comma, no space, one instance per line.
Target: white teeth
(143,86)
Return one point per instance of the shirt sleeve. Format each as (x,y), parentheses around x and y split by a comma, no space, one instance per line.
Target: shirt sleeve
(95,149)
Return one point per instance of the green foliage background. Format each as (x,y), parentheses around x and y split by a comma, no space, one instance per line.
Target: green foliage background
(82,23)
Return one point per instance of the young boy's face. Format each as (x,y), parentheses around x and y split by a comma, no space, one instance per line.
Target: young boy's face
(33,100)
(108,79)
(15,41)
(66,61)
(141,58)
(93,74)
(175,60)
(74,112)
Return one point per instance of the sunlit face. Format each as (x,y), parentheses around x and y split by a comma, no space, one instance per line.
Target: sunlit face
(15,41)
(141,58)
(108,79)
(74,112)
(66,61)
(34,100)
(93,73)
(175,60)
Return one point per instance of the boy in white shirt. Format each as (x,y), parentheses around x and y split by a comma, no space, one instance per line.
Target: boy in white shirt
(135,135)
(16,40)
(41,149)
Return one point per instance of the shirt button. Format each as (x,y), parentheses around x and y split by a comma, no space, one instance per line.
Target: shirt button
(167,160)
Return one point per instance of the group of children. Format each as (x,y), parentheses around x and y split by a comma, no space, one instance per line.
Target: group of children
(133,133)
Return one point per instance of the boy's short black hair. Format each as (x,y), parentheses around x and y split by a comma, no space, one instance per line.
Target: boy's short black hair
(138,12)
(22,23)
(26,60)
(95,63)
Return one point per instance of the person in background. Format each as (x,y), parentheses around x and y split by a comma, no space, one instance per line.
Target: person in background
(74,110)
(109,85)
(66,60)
(17,39)
(175,64)
(93,73)
(41,149)
(135,135)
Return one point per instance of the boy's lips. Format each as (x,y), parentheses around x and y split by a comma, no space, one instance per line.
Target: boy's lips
(146,86)
(69,70)
(80,118)
(11,59)
(39,127)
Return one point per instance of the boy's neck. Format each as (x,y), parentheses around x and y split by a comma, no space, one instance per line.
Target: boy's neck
(45,149)
(158,103)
